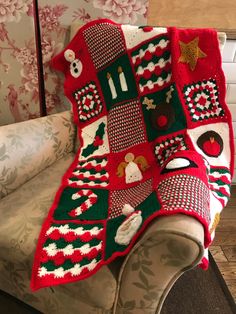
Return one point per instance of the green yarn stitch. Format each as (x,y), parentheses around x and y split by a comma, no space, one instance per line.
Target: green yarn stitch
(62,243)
(50,266)
(90,149)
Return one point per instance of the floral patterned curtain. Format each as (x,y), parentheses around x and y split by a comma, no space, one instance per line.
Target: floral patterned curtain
(19,94)
(19,85)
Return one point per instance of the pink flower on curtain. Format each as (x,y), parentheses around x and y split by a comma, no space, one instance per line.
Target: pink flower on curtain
(49,16)
(52,42)
(49,48)
(11,10)
(122,11)
(29,74)
(82,15)
(25,55)
(51,100)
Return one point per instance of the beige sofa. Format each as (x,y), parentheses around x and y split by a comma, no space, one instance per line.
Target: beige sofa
(33,157)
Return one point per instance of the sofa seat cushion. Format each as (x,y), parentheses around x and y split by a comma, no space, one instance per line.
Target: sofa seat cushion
(24,211)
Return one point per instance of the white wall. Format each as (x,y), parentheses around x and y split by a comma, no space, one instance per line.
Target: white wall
(229,67)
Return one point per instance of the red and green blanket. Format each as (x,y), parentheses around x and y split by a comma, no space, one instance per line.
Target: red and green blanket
(156,139)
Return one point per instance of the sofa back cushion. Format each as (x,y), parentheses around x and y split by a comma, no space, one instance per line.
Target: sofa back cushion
(28,147)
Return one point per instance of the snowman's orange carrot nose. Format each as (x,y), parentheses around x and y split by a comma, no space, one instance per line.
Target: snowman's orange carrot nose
(212,140)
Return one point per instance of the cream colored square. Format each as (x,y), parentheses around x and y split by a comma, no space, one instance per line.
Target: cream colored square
(135,35)
(88,135)
(223,130)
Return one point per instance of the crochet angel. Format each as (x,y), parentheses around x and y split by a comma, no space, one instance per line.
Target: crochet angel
(131,166)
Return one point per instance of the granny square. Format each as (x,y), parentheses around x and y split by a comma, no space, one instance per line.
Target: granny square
(135,35)
(202,100)
(89,102)
(169,145)
(69,249)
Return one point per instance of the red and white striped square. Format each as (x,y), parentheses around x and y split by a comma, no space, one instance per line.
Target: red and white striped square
(104,42)
(189,194)
(132,196)
(125,126)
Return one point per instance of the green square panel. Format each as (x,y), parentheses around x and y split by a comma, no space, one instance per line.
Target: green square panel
(149,206)
(82,204)
(117,81)
(111,229)
(163,112)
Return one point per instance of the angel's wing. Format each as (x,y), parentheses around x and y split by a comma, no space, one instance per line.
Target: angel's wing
(121,168)
(142,162)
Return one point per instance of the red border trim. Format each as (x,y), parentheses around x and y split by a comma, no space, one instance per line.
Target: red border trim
(204,263)
(36,282)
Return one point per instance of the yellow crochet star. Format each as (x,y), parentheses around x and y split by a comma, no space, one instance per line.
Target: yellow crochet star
(190,53)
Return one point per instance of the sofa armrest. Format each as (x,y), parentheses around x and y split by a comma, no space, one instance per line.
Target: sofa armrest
(169,247)
(28,147)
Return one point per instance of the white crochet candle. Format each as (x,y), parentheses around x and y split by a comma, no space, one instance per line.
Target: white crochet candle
(122,78)
(112,86)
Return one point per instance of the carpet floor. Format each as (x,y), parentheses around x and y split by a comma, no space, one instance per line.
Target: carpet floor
(195,292)
(200,292)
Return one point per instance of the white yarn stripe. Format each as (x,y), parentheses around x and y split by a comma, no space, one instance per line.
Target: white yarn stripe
(150,84)
(93,163)
(52,249)
(77,195)
(60,272)
(218,175)
(223,198)
(151,48)
(91,183)
(78,231)
(217,187)
(80,209)
(87,174)
(151,66)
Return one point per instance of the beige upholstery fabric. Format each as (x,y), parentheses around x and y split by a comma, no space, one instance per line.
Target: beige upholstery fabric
(28,147)
(39,151)
(24,211)
(166,249)
(170,246)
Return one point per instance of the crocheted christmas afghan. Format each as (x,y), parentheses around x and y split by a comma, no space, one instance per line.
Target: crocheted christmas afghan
(150,108)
